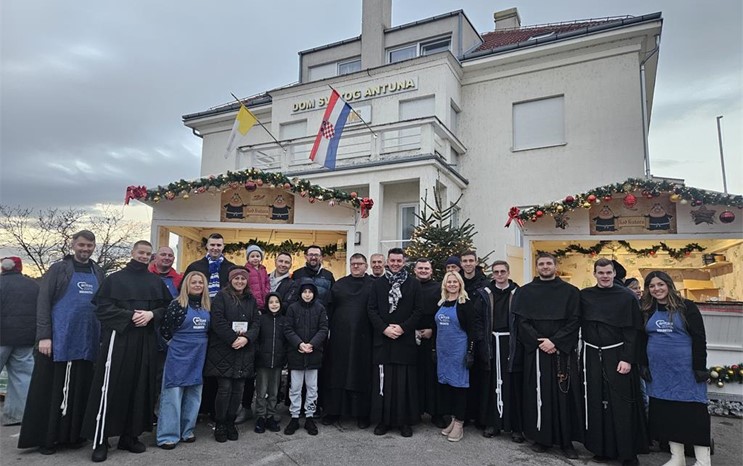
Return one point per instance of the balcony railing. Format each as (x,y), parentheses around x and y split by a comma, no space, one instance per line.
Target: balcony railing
(358,146)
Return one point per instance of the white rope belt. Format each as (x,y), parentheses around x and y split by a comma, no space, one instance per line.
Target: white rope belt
(539,392)
(66,388)
(585,379)
(100,418)
(381,380)
(499,372)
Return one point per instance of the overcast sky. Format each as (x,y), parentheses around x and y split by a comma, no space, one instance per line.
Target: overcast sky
(93,92)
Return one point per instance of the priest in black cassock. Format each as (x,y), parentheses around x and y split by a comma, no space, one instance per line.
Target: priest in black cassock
(122,395)
(547,318)
(430,396)
(347,365)
(394,310)
(502,398)
(611,324)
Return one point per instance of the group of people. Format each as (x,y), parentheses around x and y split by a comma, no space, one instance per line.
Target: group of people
(546,361)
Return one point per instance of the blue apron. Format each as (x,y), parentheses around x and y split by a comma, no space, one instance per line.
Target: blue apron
(187,351)
(171,286)
(451,348)
(669,356)
(76,332)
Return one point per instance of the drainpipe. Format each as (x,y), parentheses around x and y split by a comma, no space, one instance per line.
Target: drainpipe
(644,104)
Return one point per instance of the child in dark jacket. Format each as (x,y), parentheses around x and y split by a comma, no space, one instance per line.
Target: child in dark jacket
(269,361)
(306,331)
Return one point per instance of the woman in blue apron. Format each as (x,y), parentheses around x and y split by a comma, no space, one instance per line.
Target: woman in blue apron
(184,327)
(677,361)
(453,350)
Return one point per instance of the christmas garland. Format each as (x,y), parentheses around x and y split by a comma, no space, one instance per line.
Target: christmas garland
(677,254)
(251,179)
(720,375)
(648,188)
(271,249)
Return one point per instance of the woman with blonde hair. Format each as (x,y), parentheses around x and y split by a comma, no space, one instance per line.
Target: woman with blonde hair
(453,345)
(184,327)
(677,360)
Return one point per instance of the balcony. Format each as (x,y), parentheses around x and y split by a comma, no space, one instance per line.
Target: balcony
(397,142)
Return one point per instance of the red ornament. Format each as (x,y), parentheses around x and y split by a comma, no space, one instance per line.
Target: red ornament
(303,194)
(629,201)
(591,198)
(652,253)
(533,219)
(727,217)
(312,200)
(539,213)
(259,182)
(607,198)
(569,200)
(354,195)
(250,186)
(287,186)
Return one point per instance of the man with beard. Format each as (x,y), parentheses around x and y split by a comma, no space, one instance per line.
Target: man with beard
(611,324)
(394,309)
(428,383)
(313,270)
(547,312)
(347,365)
(476,285)
(68,336)
(214,266)
(502,399)
(123,391)
(376,261)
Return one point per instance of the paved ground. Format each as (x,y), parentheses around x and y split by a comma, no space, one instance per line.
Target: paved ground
(345,444)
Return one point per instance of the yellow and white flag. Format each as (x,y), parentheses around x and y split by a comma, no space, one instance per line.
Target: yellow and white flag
(244,121)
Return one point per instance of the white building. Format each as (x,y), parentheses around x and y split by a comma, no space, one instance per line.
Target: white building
(506,117)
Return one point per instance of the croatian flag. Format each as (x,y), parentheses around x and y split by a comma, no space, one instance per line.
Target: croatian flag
(326,143)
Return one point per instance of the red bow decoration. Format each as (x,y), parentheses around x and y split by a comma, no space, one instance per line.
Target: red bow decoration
(513,214)
(135,192)
(366,204)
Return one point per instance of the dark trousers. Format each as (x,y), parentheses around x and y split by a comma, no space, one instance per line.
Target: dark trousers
(248,393)
(456,400)
(227,401)
(517,404)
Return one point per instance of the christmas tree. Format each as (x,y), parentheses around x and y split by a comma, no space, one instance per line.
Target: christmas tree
(437,236)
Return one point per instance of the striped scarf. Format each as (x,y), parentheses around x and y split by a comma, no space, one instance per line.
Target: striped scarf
(214,283)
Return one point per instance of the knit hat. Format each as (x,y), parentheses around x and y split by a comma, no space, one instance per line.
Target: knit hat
(254,247)
(241,271)
(620,270)
(12,263)
(454,260)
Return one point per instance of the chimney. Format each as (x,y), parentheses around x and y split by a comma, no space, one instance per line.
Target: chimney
(376,16)
(507,19)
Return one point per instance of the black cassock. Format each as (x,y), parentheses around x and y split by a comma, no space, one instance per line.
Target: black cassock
(615,418)
(394,376)
(347,364)
(550,309)
(429,392)
(127,392)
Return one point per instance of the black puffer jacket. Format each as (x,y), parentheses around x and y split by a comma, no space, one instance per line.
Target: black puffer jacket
(271,341)
(18,296)
(221,359)
(306,323)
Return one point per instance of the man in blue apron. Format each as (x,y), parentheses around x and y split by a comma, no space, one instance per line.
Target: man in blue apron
(68,336)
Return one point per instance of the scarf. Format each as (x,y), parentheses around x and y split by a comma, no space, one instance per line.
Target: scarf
(396,280)
(214,283)
(275,280)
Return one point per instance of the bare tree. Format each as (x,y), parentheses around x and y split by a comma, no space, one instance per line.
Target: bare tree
(44,236)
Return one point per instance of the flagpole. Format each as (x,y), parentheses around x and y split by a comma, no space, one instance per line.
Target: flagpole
(356,113)
(262,125)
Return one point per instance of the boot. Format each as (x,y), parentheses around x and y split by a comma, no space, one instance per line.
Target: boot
(100,453)
(220,432)
(457,432)
(677,454)
(447,429)
(702,456)
(232,434)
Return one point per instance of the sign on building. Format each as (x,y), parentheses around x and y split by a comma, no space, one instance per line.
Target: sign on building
(262,205)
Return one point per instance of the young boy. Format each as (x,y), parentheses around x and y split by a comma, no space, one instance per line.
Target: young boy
(269,361)
(258,281)
(306,330)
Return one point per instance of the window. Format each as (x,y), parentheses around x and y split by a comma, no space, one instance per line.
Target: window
(539,123)
(435,46)
(323,71)
(408,221)
(295,130)
(349,67)
(416,108)
(404,53)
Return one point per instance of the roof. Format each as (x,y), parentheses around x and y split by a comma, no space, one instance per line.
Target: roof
(509,39)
